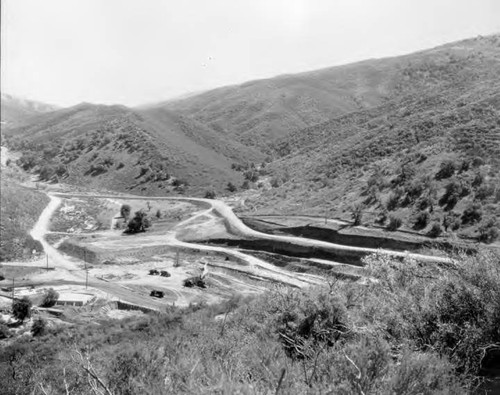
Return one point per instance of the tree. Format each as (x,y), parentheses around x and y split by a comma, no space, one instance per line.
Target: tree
(446,169)
(382,217)
(478,180)
(231,187)
(357,214)
(452,194)
(393,199)
(139,223)
(435,230)
(275,183)
(50,298)
(60,170)
(421,220)
(406,173)
(452,221)
(21,308)
(472,214)
(46,172)
(125,211)
(4,330)
(484,191)
(39,327)
(394,223)
(210,195)
(488,231)
(178,182)
(251,175)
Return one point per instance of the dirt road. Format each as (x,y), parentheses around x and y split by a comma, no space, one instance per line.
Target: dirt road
(236,227)
(70,270)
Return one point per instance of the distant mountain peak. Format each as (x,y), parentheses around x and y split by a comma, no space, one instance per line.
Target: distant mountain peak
(16,109)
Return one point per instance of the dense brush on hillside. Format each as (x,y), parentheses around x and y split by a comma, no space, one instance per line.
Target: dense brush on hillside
(414,330)
(431,157)
(20,209)
(116,148)
(259,112)
(112,151)
(411,141)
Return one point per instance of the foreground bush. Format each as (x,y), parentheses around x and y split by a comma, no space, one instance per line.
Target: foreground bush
(21,308)
(453,311)
(50,298)
(412,329)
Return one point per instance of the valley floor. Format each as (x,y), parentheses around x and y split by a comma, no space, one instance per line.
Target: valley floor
(116,265)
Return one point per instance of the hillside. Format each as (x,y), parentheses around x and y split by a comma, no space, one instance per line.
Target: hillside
(15,110)
(258,112)
(429,156)
(415,330)
(20,207)
(114,147)
(414,137)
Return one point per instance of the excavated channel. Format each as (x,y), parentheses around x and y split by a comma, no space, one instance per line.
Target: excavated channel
(291,250)
(355,240)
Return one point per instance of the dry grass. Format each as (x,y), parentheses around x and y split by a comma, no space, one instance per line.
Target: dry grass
(20,209)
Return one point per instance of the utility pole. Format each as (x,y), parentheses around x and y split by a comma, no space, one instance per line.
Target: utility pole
(326,214)
(86,269)
(47,256)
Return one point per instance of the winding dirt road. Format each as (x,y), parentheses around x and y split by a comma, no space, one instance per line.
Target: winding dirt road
(74,273)
(236,227)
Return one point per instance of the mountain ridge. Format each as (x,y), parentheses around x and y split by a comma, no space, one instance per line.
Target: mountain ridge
(89,142)
(15,109)
(327,133)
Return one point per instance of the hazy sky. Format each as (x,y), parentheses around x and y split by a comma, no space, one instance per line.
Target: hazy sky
(133,52)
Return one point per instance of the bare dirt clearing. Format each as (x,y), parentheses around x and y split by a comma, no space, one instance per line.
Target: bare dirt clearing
(86,246)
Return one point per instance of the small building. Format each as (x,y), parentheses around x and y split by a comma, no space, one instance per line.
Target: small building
(73,299)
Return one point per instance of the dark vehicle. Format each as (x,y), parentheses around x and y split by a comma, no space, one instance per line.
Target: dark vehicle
(157,294)
(196,281)
(154,272)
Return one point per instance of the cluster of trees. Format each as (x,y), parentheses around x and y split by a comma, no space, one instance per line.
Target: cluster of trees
(180,184)
(139,223)
(53,160)
(251,173)
(461,181)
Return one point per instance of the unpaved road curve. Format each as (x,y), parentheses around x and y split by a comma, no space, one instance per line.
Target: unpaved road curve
(254,266)
(40,230)
(237,227)
(72,268)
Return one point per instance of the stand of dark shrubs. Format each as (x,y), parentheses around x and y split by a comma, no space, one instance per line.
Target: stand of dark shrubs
(140,223)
